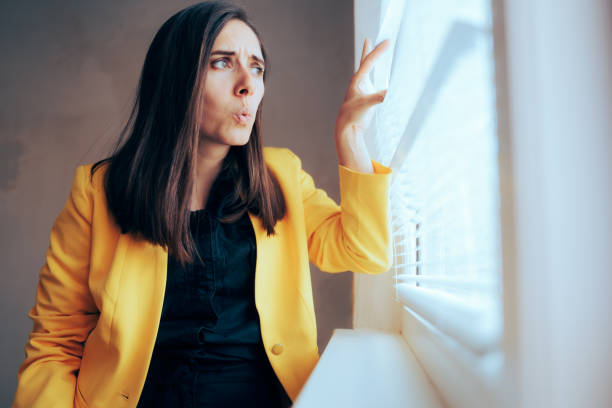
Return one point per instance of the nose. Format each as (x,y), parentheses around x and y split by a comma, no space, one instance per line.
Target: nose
(245,84)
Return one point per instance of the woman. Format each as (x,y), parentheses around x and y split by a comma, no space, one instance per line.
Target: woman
(178,272)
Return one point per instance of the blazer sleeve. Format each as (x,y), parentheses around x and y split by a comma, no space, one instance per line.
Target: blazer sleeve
(356,234)
(64,312)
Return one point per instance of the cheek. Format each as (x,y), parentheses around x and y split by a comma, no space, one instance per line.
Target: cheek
(260,94)
(213,107)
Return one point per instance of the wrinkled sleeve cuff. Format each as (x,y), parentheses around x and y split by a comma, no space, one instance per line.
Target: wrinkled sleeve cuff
(378,169)
(364,196)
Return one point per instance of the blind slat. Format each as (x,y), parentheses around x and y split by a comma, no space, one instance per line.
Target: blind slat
(475,284)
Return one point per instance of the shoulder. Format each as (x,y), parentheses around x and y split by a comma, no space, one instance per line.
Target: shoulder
(281,158)
(87,183)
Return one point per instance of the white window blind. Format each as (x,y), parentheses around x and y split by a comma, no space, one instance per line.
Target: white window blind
(437,131)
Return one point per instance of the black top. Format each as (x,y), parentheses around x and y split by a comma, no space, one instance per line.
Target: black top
(209,351)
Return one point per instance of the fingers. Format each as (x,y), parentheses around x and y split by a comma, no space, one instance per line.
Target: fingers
(366,48)
(368,60)
(373,99)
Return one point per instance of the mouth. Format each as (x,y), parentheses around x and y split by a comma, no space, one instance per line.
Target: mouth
(243,116)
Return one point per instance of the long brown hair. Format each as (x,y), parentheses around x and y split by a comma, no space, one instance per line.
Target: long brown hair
(148,183)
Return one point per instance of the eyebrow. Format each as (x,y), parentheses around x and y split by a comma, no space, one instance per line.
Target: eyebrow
(222,52)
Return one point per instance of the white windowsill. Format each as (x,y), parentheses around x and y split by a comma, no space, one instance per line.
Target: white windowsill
(367,368)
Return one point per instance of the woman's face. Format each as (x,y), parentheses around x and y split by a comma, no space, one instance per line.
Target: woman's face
(234,85)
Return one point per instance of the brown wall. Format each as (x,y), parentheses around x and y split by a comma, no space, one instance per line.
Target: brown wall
(68,74)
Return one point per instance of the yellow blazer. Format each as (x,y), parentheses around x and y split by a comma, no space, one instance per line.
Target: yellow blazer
(100,294)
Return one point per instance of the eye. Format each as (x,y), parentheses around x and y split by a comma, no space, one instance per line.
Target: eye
(220,63)
(258,69)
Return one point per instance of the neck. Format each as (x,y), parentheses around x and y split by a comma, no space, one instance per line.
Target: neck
(209,163)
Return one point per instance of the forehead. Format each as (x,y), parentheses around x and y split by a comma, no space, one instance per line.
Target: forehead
(237,36)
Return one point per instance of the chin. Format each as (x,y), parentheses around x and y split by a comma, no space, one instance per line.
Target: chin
(233,137)
(239,139)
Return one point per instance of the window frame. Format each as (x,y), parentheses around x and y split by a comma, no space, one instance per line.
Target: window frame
(453,373)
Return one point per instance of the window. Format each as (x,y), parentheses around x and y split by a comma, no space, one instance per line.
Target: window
(437,130)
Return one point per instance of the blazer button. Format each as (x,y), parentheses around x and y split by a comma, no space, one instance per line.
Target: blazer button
(277,348)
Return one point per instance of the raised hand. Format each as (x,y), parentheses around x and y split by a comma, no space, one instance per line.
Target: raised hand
(351,120)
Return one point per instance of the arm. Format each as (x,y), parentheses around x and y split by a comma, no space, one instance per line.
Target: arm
(355,235)
(64,312)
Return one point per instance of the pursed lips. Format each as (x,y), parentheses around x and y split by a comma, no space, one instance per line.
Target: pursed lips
(243,116)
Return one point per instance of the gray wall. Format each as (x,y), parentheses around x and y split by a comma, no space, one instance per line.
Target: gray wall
(68,74)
